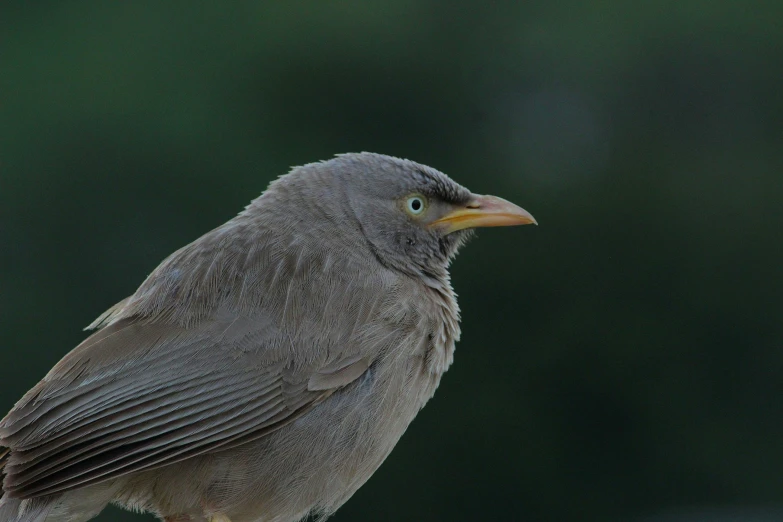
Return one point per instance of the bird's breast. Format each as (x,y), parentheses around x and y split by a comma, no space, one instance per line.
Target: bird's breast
(444,330)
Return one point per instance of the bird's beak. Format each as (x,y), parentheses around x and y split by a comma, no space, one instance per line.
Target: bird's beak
(484,211)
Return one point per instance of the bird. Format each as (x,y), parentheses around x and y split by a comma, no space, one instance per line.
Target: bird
(263,372)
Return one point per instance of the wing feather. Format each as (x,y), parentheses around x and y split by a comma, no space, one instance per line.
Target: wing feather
(137,396)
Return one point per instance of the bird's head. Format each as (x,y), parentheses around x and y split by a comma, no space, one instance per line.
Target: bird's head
(412,217)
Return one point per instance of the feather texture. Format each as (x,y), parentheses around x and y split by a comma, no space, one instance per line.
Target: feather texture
(92,426)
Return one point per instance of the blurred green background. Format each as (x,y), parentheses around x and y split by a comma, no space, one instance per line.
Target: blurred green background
(622,361)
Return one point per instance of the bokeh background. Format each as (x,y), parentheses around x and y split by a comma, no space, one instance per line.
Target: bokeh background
(623,361)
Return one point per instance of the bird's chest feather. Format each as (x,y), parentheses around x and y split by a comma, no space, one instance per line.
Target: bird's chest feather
(443,313)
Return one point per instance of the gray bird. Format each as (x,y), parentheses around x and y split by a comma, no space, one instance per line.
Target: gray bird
(264,371)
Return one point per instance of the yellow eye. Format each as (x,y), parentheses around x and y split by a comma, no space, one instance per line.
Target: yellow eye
(415,205)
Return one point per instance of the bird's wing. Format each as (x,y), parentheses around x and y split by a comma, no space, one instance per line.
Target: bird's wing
(137,395)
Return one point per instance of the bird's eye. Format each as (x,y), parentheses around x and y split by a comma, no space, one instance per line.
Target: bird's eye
(415,205)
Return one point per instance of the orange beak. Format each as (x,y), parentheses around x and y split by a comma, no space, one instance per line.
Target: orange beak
(484,211)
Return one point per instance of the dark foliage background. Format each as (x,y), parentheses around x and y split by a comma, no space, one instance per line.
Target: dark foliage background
(622,361)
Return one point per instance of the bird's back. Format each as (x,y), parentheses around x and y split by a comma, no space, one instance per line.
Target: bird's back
(248,366)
